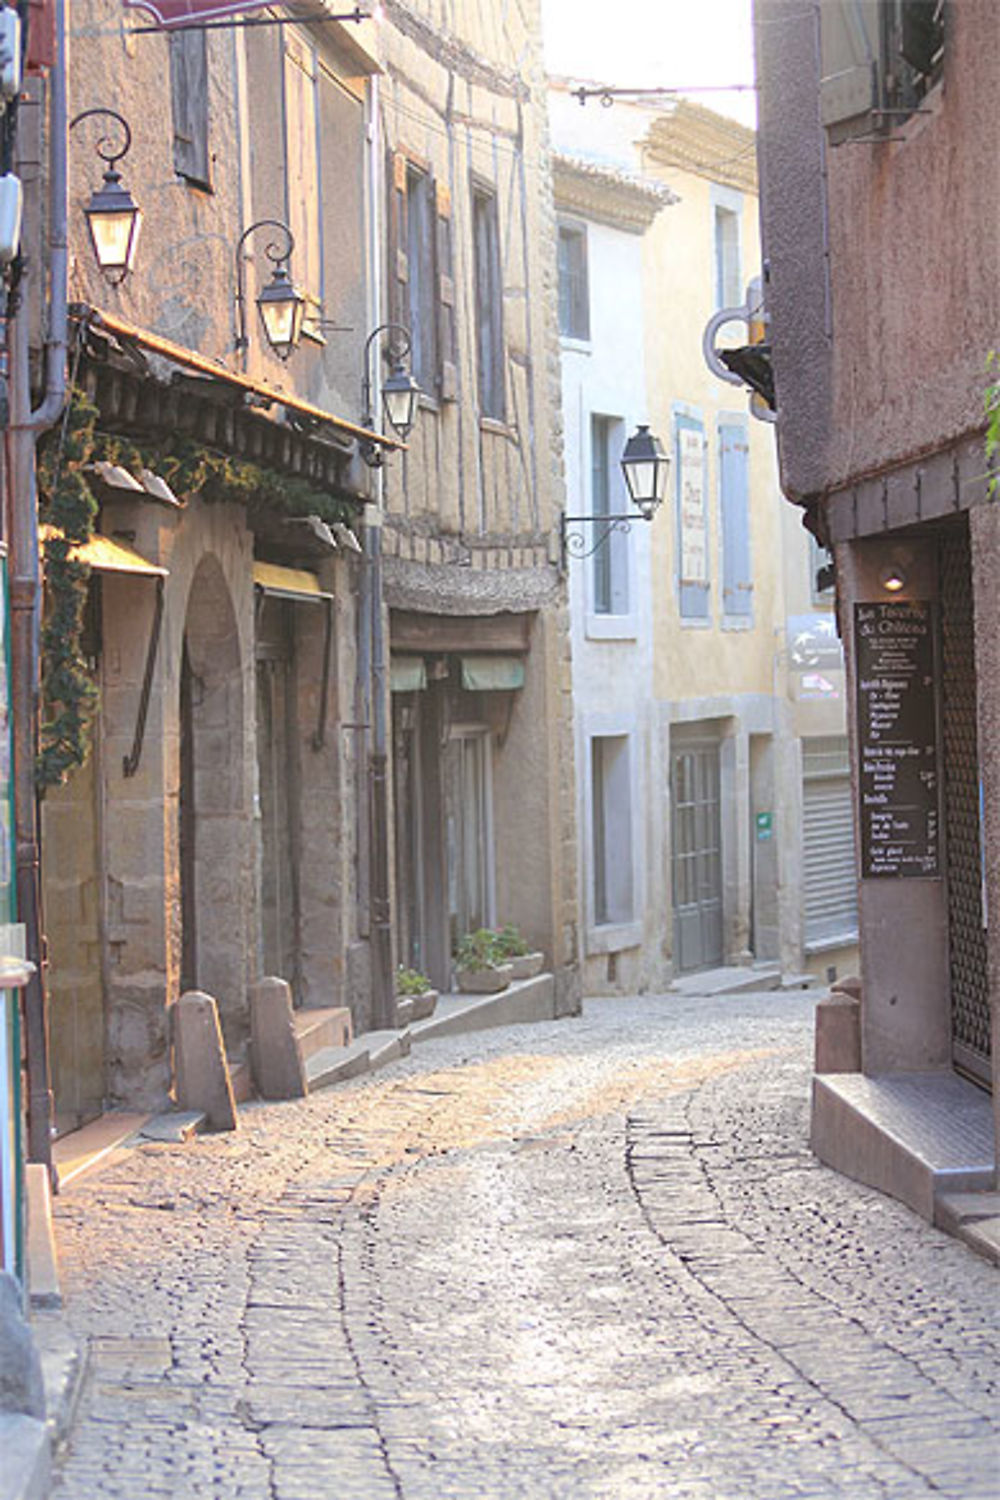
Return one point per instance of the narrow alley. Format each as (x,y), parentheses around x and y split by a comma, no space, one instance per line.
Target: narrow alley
(584,1258)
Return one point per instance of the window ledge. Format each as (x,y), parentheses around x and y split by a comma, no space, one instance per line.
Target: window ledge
(737,622)
(576,345)
(613,937)
(611,627)
(827,944)
(496,426)
(697,622)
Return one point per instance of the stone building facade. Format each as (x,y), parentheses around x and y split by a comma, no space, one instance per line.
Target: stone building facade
(254,569)
(481,689)
(877,212)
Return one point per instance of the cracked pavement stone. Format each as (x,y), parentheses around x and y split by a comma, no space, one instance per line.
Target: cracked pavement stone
(592,1258)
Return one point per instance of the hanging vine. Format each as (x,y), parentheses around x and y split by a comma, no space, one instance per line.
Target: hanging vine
(991,403)
(68,510)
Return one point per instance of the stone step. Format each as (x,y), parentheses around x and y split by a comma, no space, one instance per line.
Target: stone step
(319,1028)
(386,1046)
(336,1064)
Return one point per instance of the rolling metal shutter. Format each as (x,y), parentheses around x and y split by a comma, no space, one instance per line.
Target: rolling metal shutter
(829,868)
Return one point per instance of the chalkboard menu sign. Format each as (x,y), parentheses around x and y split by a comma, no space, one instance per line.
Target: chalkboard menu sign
(898,739)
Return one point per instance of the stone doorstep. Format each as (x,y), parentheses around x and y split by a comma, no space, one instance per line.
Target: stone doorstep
(973,1217)
(919,1137)
(732,979)
(87,1147)
(336,1065)
(322,1027)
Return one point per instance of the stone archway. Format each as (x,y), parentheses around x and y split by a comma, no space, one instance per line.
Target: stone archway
(215,818)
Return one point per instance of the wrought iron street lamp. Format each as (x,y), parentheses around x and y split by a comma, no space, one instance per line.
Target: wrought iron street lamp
(113,216)
(400,392)
(645,466)
(280,304)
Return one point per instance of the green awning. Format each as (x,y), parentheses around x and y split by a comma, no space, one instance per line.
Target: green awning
(407,674)
(492,674)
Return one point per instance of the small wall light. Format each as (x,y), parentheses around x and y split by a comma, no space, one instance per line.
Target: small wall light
(113,216)
(892,578)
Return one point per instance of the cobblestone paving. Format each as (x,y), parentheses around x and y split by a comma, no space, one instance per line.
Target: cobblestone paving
(587,1259)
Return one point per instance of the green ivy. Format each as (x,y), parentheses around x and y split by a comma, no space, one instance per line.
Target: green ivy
(67,503)
(991,403)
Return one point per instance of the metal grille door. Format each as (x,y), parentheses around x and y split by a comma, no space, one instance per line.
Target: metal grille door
(970,1008)
(697,857)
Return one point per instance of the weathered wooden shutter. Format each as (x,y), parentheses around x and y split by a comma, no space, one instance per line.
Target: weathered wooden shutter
(849,65)
(302,172)
(445,267)
(397,268)
(734,497)
(189,105)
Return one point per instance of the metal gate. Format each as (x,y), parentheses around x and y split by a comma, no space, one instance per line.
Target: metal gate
(829,866)
(697,856)
(970,1006)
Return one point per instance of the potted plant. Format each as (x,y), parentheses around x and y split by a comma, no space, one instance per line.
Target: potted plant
(511,945)
(480,967)
(415,999)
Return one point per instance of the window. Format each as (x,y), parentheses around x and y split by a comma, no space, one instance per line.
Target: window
(489,299)
(302,176)
(574,296)
(611,559)
(734,504)
(189,106)
(611,829)
(879,59)
(468,831)
(821,577)
(420,272)
(728,283)
(421,316)
(692,525)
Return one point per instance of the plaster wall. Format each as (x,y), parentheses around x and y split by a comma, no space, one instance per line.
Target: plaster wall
(184,282)
(912,286)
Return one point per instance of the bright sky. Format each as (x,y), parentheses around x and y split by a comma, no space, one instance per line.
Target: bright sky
(655,43)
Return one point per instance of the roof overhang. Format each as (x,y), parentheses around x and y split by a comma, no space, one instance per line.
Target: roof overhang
(295,407)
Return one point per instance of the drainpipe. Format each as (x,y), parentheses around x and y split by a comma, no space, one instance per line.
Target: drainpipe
(26,426)
(380,913)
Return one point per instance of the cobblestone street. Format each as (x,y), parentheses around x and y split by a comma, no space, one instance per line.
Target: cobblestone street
(592,1258)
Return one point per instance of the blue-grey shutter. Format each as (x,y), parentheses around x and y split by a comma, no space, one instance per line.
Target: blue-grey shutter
(734,494)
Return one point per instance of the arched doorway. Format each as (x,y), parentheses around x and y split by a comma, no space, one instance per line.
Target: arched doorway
(215,828)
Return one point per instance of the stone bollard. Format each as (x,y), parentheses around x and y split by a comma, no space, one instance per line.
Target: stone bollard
(838,1030)
(278,1069)
(201,1073)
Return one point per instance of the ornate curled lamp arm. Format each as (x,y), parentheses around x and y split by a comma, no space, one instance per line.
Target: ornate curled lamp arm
(105,142)
(574,543)
(277,258)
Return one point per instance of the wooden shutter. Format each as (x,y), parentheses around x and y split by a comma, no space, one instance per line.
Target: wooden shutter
(445,266)
(849,56)
(189,104)
(302,172)
(734,498)
(397,269)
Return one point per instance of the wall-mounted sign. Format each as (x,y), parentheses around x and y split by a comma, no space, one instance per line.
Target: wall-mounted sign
(764,822)
(694,541)
(898,780)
